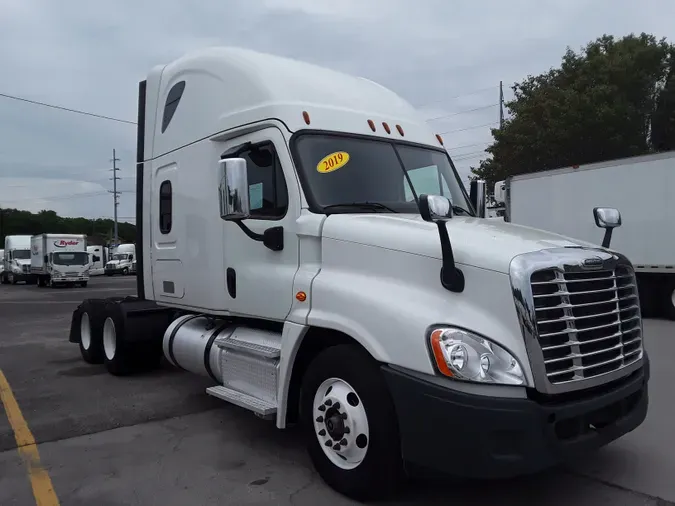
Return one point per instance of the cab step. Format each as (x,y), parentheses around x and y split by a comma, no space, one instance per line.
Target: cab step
(261,343)
(262,408)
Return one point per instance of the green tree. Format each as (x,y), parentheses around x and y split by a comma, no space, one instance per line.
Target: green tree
(614,99)
(99,231)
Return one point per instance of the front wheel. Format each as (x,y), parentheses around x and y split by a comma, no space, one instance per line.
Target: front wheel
(350,424)
(669,299)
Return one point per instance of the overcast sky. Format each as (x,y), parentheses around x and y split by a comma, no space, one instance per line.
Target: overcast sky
(444,56)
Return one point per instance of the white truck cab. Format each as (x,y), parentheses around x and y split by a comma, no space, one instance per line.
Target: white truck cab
(121,260)
(60,259)
(98,258)
(16,261)
(305,242)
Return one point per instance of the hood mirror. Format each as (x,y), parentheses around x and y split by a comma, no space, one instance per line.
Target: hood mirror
(438,210)
(607,218)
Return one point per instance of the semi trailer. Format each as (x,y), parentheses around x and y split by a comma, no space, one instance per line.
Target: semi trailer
(305,241)
(560,201)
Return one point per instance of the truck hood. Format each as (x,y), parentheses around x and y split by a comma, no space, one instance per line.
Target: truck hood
(478,242)
(22,262)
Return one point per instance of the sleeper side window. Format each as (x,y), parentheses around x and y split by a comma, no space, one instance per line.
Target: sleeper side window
(172,100)
(267,191)
(165,207)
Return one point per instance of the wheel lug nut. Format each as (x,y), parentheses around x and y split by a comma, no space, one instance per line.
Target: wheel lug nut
(337,405)
(322,408)
(344,416)
(328,402)
(343,442)
(328,443)
(322,433)
(336,446)
(347,430)
(320,419)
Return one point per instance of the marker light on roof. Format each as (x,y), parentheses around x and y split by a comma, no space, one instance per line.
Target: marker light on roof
(386,127)
(400,130)
(440,139)
(371,124)
(305,115)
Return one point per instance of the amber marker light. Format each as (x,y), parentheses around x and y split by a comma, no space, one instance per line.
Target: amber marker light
(301,296)
(305,116)
(438,353)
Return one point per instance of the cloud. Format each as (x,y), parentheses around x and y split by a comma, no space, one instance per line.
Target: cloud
(445,57)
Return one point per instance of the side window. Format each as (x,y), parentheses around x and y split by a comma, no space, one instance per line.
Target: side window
(425,180)
(267,191)
(172,100)
(165,207)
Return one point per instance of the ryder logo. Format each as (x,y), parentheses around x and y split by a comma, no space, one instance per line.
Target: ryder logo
(62,243)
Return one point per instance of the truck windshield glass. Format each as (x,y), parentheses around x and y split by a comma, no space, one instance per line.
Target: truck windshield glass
(71,258)
(21,254)
(358,172)
(120,256)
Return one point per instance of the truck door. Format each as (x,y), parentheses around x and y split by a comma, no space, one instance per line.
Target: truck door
(259,281)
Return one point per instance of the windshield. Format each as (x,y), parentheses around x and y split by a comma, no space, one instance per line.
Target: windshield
(71,258)
(346,170)
(120,256)
(21,254)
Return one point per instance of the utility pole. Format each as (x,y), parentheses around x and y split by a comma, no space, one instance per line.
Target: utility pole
(115,192)
(501,105)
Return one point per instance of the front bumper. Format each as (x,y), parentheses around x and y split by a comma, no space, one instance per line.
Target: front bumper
(70,279)
(116,270)
(482,437)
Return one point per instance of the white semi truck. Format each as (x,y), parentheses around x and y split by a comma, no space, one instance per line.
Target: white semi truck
(292,249)
(60,259)
(121,260)
(643,187)
(16,262)
(98,258)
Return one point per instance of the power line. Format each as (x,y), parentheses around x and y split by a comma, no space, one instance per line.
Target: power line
(452,148)
(469,128)
(66,109)
(465,94)
(463,112)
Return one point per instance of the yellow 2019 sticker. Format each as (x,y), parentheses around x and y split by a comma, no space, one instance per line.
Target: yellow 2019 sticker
(332,162)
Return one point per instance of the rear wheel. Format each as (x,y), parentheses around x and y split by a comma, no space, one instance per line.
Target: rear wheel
(350,424)
(91,345)
(669,299)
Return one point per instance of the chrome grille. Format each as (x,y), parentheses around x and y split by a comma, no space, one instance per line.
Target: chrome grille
(587,322)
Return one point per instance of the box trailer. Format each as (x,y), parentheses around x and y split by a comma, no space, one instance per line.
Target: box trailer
(641,188)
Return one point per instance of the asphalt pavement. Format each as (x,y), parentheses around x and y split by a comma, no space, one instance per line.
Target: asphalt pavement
(158,439)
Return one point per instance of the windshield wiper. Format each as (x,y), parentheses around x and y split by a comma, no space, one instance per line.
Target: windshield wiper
(360,205)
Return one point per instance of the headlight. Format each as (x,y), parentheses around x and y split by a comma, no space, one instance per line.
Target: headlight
(462,355)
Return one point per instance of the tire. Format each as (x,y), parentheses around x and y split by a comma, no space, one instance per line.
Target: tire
(125,271)
(108,273)
(84,284)
(12,279)
(348,378)
(91,336)
(668,298)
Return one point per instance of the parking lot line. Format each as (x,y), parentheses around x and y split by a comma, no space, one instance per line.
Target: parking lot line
(43,490)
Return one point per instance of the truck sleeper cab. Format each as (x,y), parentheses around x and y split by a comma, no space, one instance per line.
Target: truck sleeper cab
(305,242)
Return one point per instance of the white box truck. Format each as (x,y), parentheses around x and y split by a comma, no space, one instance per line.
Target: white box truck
(292,248)
(16,261)
(60,259)
(642,187)
(121,260)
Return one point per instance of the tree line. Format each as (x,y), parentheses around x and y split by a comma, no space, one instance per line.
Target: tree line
(98,231)
(613,99)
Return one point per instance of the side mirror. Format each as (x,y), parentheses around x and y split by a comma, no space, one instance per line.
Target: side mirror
(477,196)
(438,210)
(233,189)
(435,208)
(607,218)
